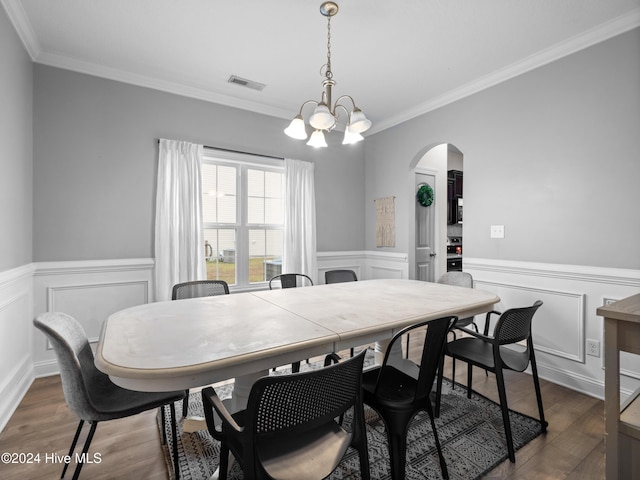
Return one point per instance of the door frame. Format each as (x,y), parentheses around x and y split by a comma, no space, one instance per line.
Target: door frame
(438,248)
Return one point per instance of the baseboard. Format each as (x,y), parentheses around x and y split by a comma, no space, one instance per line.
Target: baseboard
(13,390)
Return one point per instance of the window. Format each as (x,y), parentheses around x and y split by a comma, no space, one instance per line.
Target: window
(243,216)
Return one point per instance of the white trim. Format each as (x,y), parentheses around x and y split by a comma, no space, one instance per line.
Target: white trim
(617,276)
(93,266)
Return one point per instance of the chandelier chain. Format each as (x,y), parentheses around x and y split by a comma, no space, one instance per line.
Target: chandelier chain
(329,73)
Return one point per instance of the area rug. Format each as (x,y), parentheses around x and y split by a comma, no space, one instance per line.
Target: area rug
(470,431)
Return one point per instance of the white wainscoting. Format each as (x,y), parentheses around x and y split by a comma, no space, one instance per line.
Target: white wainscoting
(92,290)
(562,326)
(89,292)
(367,264)
(16,367)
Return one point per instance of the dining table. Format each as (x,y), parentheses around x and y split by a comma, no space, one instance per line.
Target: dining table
(183,344)
(190,343)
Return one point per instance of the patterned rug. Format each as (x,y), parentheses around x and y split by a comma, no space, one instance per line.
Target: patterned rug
(470,431)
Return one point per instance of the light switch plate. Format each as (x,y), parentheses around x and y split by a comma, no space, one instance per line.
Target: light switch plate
(497,231)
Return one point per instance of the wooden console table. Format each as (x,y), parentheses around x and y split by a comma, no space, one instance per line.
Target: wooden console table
(622,422)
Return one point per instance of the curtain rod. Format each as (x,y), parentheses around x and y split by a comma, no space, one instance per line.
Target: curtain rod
(239,151)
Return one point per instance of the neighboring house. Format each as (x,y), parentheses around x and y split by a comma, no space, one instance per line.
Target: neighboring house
(553,155)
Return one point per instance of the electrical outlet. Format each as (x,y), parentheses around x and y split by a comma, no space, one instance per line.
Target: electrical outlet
(497,231)
(593,348)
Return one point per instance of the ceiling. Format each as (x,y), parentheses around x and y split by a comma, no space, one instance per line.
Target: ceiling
(397,59)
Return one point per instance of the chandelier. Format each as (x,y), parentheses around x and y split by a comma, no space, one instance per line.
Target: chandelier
(325,115)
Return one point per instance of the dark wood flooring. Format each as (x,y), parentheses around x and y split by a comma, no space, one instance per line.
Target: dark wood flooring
(572,449)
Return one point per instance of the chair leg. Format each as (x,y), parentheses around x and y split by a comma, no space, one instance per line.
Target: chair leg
(295,367)
(397,453)
(73,446)
(439,385)
(174,436)
(185,405)
(163,416)
(85,449)
(443,463)
(505,414)
(223,465)
(469,379)
(536,384)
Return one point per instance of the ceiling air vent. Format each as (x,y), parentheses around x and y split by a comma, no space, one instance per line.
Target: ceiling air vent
(243,82)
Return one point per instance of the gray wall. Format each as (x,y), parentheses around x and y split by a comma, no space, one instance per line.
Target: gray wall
(95,162)
(553,155)
(16,149)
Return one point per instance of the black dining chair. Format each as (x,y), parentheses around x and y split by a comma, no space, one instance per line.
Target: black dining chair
(339,276)
(197,289)
(398,396)
(501,351)
(290,428)
(89,393)
(290,280)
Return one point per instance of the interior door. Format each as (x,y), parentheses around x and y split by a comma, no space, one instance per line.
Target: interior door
(425,232)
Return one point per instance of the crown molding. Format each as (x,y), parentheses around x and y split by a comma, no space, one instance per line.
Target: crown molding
(20,21)
(572,45)
(607,30)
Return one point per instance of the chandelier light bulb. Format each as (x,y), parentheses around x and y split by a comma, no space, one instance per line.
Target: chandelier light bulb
(359,122)
(322,118)
(317,139)
(351,136)
(296,129)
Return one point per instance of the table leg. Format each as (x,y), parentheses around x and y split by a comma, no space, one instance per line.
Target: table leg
(238,401)
(396,358)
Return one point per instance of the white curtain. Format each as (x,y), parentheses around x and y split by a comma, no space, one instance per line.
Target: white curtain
(179,237)
(299,219)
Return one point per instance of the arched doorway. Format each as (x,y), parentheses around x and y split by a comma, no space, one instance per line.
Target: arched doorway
(433,227)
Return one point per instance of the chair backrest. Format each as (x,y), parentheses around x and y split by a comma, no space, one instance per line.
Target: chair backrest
(432,347)
(514,325)
(75,360)
(459,279)
(284,405)
(199,288)
(339,276)
(289,280)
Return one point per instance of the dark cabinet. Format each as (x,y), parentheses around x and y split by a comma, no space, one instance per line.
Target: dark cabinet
(454,194)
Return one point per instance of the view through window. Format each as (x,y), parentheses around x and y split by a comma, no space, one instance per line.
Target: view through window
(243,215)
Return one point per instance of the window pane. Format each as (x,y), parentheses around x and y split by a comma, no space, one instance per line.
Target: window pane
(220,251)
(255,210)
(273,184)
(218,194)
(274,211)
(255,183)
(265,253)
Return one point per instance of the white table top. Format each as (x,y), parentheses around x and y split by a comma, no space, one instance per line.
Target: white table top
(188,343)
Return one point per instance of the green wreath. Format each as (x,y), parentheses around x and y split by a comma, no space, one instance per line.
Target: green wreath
(425,195)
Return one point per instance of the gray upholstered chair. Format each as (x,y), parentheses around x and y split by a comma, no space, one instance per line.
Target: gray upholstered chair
(459,279)
(290,428)
(88,392)
(196,289)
